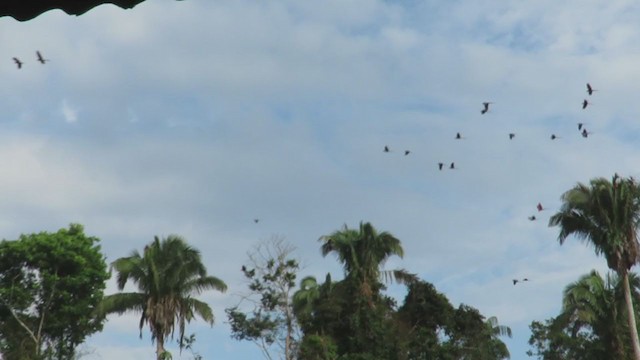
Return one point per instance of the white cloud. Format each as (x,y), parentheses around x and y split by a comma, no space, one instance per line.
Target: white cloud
(70,113)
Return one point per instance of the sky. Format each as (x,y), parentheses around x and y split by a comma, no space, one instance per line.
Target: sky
(195,117)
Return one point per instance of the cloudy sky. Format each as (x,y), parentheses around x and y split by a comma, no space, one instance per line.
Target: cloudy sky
(195,117)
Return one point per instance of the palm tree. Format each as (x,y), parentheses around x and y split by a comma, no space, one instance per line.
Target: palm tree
(167,274)
(363,251)
(598,303)
(492,347)
(606,215)
(359,316)
(303,299)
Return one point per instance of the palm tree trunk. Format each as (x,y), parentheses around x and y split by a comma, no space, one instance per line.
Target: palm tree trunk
(159,348)
(631,316)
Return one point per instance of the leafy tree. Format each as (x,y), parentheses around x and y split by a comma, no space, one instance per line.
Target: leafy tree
(353,312)
(353,319)
(433,329)
(473,337)
(50,286)
(549,342)
(426,318)
(606,215)
(272,276)
(168,274)
(592,324)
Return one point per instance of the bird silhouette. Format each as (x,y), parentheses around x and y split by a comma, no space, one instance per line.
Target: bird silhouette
(511,136)
(532,218)
(440,165)
(585,133)
(515,281)
(585,103)
(452,166)
(458,136)
(539,207)
(18,62)
(41,59)
(486,107)
(580,125)
(386,148)
(407,152)
(554,136)
(256,220)
(590,90)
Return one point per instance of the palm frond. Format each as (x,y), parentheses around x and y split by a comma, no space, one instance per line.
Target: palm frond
(121,303)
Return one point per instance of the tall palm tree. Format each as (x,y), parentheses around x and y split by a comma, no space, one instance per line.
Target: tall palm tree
(496,347)
(168,273)
(362,252)
(599,303)
(606,215)
(362,327)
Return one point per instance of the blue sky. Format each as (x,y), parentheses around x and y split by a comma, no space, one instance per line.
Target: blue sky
(195,117)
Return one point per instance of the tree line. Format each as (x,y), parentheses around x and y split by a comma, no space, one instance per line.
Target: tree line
(52,295)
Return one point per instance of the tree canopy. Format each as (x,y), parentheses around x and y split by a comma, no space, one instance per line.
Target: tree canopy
(50,286)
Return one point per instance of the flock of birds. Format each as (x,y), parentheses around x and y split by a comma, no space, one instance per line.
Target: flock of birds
(485,109)
(39,57)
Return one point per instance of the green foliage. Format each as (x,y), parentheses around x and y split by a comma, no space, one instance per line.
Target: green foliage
(168,274)
(353,320)
(433,329)
(50,286)
(316,347)
(592,322)
(606,215)
(549,342)
(353,312)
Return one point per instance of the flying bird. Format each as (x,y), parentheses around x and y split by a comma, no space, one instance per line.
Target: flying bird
(407,152)
(532,218)
(515,281)
(256,220)
(580,126)
(590,90)
(440,165)
(539,207)
(585,103)
(41,59)
(386,148)
(511,136)
(553,137)
(585,133)
(486,107)
(458,136)
(452,166)
(18,62)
